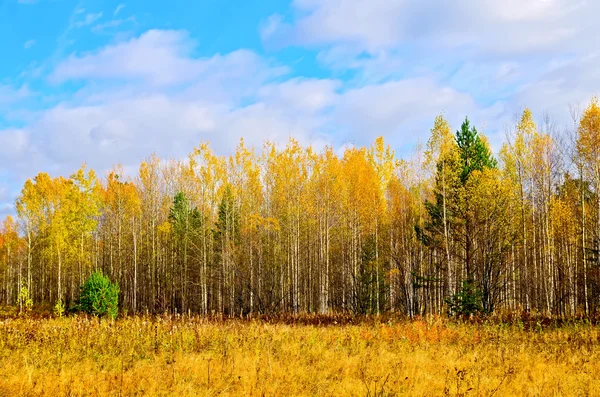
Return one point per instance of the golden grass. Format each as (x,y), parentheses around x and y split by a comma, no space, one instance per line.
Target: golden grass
(194,356)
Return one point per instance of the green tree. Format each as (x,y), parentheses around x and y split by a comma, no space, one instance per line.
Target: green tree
(369,280)
(228,222)
(474,153)
(452,216)
(474,156)
(185,218)
(442,152)
(466,301)
(227,236)
(186,221)
(99,296)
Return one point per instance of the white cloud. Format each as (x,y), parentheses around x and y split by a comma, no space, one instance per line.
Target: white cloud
(113,119)
(28,44)
(372,24)
(407,62)
(13,143)
(125,129)
(488,48)
(10,95)
(134,103)
(485,25)
(403,111)
(572,82)
(157,57)
(6,203)
(128,130)
(504,54)
(301,94)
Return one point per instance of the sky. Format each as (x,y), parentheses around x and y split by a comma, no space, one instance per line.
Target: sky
(110,82)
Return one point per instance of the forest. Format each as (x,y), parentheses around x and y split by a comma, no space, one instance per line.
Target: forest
(291,229)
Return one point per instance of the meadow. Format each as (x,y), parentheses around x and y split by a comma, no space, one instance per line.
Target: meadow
(320,356)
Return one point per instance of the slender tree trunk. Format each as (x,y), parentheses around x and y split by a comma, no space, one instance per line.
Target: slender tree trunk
(59,296)
(135,267)
(583,239)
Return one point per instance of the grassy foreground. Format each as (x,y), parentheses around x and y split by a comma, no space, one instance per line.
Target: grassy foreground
(195,356)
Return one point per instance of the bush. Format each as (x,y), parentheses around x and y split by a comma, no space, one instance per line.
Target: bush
(99,296)
(466,301)
(59,308)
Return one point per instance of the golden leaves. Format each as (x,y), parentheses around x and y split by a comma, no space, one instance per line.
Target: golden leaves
(588,142)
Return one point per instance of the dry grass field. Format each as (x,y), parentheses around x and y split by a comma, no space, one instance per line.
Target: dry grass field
(184,356)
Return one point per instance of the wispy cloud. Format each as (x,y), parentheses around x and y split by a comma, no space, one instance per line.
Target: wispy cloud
(110,27)
(28,44)
(89,19)
(76,21)
(119,8)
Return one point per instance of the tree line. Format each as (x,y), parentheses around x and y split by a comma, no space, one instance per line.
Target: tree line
(292,229)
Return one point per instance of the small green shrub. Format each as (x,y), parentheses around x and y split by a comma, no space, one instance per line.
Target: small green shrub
(467,301)
(99,296)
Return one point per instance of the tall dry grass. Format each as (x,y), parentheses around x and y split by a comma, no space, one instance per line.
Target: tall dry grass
(194,356)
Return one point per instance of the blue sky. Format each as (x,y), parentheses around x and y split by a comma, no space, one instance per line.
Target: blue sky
(107,82)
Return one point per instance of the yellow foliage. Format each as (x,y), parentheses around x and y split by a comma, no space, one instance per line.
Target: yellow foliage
(165,228)
(588,142)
